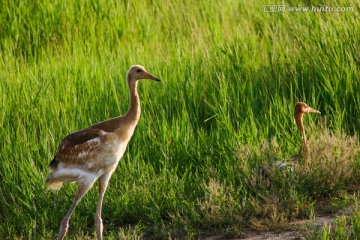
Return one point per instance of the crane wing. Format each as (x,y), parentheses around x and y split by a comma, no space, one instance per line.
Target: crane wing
(77,146)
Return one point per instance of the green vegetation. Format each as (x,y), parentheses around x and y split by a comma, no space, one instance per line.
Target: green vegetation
(345,226)
(231,77)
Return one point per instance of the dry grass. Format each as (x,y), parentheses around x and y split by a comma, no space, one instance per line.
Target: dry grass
(275,201)
(220,207)
(333,166)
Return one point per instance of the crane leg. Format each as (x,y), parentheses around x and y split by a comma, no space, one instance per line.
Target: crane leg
(82,190)
(103,183)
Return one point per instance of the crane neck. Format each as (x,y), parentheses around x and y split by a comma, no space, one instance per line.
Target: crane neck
(127,122)
(300,124)
(133,114)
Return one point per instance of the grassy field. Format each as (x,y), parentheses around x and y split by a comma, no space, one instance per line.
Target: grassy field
(231,77)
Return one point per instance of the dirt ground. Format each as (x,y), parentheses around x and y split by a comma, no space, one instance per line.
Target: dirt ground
(297,234)
(293,234)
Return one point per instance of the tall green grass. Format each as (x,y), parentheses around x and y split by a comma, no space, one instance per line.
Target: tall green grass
(231,76)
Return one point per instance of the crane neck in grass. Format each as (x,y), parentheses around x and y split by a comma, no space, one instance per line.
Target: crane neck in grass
(134,111)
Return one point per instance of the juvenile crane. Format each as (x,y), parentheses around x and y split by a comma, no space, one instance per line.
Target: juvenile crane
(301,108)
(93,153)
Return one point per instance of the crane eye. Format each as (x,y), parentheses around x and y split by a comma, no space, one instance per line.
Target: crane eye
(139,70)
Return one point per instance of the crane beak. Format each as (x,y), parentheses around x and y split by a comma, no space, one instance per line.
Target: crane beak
(311,110)
(151,77)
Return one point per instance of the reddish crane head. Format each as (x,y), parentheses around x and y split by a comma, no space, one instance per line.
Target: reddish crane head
(301,108)
(138,72)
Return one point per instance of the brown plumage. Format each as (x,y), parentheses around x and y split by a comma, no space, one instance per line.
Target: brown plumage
(93,153)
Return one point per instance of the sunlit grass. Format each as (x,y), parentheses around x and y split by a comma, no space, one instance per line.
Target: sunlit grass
(231,77)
